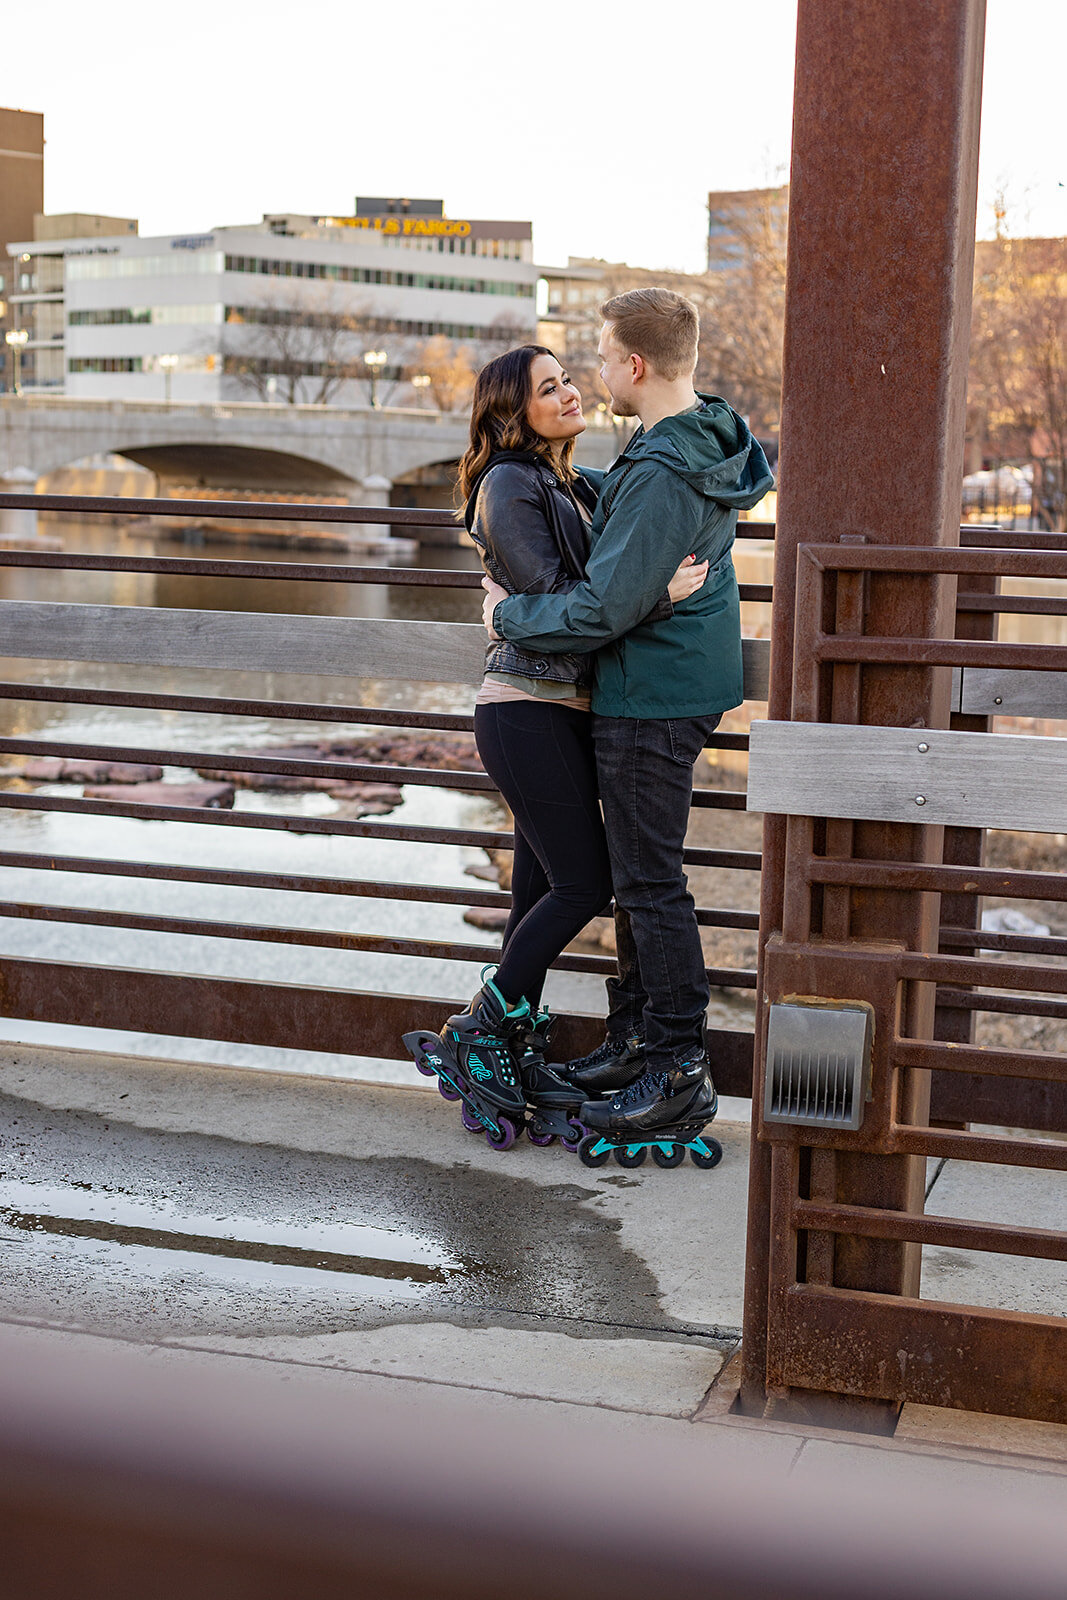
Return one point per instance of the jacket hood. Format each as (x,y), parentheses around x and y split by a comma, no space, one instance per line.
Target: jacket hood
(527,457)
(713,450)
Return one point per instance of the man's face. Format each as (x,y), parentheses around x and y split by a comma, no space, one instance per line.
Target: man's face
(616,373)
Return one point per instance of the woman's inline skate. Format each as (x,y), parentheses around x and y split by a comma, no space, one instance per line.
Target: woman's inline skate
(665,1111)
(475,1058)
(553,1104)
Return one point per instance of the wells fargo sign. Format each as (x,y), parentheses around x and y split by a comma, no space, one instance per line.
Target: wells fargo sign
(417,227)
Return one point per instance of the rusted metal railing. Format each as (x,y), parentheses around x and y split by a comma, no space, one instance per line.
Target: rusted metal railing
(333,1020)
(825,1335)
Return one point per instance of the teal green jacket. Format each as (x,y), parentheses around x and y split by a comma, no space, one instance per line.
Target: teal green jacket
(675,491)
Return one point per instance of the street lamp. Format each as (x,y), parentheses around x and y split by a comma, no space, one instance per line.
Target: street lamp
(168,363)
(375,360)
(420,383)
(16,338)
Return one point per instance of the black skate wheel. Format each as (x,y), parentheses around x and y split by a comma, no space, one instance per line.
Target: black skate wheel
(668,1158)
(589,1155)
(503,1136)
(446,1091)
(576,1132)
(472,1123)
(713,1157)
(541,1140)
(626,1157)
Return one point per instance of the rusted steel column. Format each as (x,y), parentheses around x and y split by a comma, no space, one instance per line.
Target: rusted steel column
(881,247)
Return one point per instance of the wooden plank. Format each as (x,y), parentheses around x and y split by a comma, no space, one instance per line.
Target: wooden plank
(994,691)
(891,1348)
(978,780)
(247,641)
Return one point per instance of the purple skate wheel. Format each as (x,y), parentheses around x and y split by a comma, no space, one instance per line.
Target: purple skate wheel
(446,1091)
(427,1072)
(503,1136)
(576,1132)
(541,1140)
(471,1122)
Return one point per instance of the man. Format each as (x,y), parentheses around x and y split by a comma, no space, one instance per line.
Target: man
(661,688)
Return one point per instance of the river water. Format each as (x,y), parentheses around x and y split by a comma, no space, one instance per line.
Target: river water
(382,860)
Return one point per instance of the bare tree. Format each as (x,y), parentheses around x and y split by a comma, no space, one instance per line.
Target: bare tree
(1017,393)
(450,370)
(298,345)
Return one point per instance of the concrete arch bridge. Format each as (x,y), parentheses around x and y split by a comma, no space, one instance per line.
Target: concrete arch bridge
(249,445)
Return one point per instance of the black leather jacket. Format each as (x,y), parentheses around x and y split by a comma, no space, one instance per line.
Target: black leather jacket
(533,540)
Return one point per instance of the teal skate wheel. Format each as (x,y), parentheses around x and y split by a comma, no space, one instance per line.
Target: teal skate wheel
(673,1156)
(626,1155)
(713,1155)
(588,1153)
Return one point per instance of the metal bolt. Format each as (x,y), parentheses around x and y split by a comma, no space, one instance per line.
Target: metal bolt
(920,799)
(998,700)
(923,748)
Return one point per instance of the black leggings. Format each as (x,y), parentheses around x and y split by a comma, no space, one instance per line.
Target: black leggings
(540,756)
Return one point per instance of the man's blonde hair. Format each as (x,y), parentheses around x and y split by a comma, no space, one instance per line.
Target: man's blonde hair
(659,326)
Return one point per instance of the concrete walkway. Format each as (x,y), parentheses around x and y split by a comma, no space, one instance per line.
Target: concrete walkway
(320,1233)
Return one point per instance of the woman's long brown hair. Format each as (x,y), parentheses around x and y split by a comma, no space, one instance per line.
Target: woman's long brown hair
(502,395)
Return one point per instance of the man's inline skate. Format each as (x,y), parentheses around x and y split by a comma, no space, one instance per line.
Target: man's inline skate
(475,1059)
(613,1065)
(664,1111)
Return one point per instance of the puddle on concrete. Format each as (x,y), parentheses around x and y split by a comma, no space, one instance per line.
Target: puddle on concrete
(281,1252)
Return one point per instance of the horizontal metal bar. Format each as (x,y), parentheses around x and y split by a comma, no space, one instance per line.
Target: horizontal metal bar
(999,1152)
(989,1060)
(906,651)
(136,810)
(923,968)
(362,888)
(1010,1005)
(970,939)
(213,818)
(946,880)
(317,938)
(343,771)
(214,705)
(1040,605)
(240,510)
(849,1341)
(281,571)
(924,560)
(1039,1244)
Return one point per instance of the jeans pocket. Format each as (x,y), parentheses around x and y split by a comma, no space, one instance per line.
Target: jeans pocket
(686,737)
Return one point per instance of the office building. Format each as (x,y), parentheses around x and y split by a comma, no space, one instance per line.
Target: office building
(21,197)
(291,307)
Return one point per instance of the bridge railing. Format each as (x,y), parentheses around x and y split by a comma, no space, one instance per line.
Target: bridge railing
(368,1022)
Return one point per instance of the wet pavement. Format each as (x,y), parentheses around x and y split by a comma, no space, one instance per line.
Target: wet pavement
(163,1201)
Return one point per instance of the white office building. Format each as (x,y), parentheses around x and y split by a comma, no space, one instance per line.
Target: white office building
(288,308)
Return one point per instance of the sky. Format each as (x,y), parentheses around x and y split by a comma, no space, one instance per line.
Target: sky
(606,133)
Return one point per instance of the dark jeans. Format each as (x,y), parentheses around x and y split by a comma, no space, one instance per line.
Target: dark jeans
(540,756)
(645,771)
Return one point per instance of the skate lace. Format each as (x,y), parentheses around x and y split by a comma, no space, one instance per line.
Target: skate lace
(642,1086)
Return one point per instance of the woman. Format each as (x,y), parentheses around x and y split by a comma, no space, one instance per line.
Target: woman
(528,510)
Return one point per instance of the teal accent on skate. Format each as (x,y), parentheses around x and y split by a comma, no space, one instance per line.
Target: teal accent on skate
(699,1145)
(600,1146)
(477,1068)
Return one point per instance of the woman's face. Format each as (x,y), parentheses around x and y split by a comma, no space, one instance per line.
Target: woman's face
(555,409)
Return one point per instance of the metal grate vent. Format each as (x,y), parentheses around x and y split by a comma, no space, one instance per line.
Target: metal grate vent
(817,1065)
